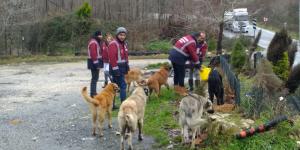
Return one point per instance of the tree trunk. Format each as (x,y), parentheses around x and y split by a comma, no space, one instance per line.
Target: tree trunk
(105,9)
(220,38)
(46,13)
(5,39)
(71,5)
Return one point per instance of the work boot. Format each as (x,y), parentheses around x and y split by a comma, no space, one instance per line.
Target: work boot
(191,84)
(105,84)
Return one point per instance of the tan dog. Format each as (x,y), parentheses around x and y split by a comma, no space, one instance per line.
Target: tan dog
(131,115)
(158,79)
(134,74)
(101,104)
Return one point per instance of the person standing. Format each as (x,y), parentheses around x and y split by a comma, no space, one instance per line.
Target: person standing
(94,61)
(201,51)
(118,61)
(108,39)
(183,50)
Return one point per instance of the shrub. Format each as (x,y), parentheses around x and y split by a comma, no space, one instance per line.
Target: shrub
(279,44)
(281,67)
(245,41)
(294,79)
(85,11)
(228,43)
(238,55)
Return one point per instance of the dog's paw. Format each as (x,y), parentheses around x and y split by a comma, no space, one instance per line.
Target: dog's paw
(130,147)
(101,134)
(94,134)
(141,138)
(110,126)
(126,136)
(118,133)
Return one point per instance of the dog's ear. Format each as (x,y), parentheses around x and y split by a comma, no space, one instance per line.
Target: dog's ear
(146,90)
(142,83)
(207,104)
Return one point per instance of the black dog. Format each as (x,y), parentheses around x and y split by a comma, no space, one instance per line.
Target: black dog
(215,87)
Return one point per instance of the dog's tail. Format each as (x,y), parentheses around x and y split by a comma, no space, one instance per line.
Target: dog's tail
(130,122)
(87,97)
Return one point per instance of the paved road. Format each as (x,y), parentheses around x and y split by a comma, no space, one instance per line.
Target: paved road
(264,41)
(41,108)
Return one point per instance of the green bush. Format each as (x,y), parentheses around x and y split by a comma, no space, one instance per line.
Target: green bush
(246,41)
(281,67)
(62,34)
(159,45)
(212,44)
(238,55)
(228,43)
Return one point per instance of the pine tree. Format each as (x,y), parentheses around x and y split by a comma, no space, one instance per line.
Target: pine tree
(238,56)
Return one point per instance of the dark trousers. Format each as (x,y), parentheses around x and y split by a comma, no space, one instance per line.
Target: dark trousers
(120,81)
(94,80)
(179,74)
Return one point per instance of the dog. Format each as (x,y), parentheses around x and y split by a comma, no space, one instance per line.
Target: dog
(134,74)
(191,110)
(158,79)
(131,115)
(215,87)
(100,105)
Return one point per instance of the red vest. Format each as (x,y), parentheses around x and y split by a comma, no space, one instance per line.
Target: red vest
(105,53)
(187,47)
(117,54)
(94,50)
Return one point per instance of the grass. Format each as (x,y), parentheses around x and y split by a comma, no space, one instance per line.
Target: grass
(160,56)
(271,140)
(158,65)
(159,120)
(159,45)
(65,58)
(155,65)
(159,116)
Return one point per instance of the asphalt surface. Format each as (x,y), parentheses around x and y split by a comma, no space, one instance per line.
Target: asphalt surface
(41,108)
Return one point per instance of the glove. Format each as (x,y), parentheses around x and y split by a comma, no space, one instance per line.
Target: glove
(189,65)
(100,63)
(198,66)
(116,72)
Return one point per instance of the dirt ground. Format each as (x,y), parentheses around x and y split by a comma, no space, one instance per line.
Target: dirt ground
(41,108)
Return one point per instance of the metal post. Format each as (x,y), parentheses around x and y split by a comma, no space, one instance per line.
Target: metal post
(254,26)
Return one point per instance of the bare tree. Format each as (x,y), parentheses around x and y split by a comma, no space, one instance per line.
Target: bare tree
(217,9)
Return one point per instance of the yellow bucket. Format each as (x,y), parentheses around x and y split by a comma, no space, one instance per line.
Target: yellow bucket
(204,72)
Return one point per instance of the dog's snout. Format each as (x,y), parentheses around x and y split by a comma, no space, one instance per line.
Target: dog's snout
(210,111)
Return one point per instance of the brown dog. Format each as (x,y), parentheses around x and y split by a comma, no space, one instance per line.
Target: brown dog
(131,115)
(134,74)
(101,104)
(158,79)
